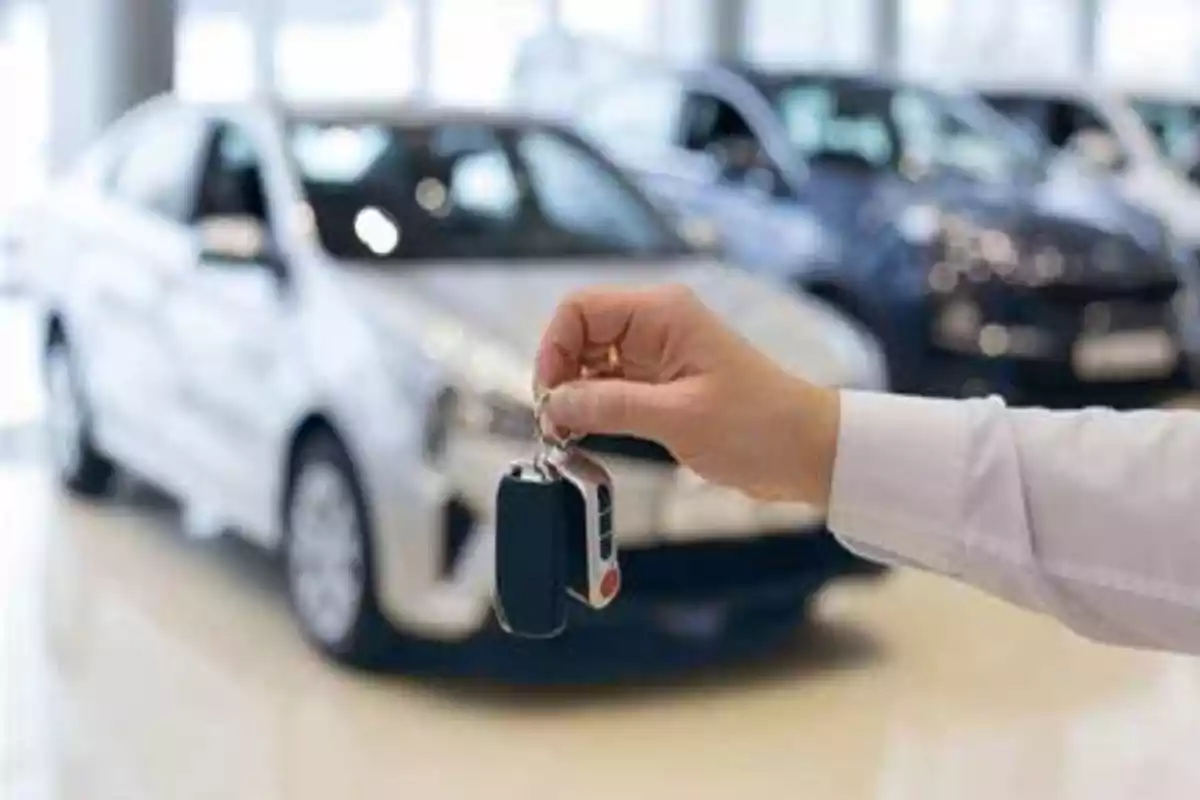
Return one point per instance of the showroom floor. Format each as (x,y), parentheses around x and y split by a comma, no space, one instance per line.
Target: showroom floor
(140,665)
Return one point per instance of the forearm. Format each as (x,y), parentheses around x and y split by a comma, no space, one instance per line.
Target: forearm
(1091,516)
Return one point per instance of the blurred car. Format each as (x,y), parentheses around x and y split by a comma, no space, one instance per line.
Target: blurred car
(315,327)
(943,229)
(1110,134)
(1173,119)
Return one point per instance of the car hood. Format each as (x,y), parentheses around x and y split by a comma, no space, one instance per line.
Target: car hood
(490,315)
(1074,195)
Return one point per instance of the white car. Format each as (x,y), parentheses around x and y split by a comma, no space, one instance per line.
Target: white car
(1105,129)
(315,327)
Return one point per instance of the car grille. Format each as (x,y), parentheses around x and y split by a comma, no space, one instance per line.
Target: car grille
(1098,266)
(1067,310)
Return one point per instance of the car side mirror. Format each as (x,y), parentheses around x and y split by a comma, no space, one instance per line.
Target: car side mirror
(1097,149)
(239,240)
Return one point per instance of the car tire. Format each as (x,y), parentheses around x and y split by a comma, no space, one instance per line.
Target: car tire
(80,467)
(329,558)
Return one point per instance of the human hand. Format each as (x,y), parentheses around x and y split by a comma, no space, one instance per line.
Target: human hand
(685,380)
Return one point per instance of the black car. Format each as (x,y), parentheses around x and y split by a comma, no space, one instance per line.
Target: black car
(982,265)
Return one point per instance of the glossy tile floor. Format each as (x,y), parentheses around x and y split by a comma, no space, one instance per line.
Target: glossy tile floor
(139,665)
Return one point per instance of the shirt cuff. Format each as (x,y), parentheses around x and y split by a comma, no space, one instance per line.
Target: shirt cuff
(898,479)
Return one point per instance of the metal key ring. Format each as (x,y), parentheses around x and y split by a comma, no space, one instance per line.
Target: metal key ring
(546,437)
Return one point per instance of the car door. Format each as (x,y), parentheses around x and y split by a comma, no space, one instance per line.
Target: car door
(232,332)
(130,246)
(748,194)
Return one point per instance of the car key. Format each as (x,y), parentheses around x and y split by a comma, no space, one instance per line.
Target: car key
(554,538)
(532,531)
(593,572)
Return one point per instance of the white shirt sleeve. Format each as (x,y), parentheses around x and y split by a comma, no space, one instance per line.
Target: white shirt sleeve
(1092,516)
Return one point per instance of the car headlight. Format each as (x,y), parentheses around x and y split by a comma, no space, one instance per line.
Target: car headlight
(958,324)
(967,252)
(487,414)
(1049,265)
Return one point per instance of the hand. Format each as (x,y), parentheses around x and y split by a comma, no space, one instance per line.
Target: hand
(686,381)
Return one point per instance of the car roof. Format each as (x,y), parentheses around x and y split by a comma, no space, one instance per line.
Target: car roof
(1040,90)
(770,78)
(1183,95)
(400,112)
(409,113)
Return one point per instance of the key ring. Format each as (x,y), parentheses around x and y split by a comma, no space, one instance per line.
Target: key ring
(549,440)
(546,437)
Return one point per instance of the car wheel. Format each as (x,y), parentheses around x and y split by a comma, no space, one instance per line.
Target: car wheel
(328,554)
(81,469)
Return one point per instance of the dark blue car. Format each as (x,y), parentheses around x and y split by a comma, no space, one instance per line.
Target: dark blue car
(982,264)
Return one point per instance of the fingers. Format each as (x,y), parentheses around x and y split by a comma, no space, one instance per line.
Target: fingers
(613,407)
(587,323)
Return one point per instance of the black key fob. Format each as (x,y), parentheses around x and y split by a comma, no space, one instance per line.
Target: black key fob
(532,533)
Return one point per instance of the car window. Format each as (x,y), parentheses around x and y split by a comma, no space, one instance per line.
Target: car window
(484,184)
(1068,119)
(977,154)
(710,121)
(1175,127)
(233,179)
(825,123)
(852,125)
(577,193)
(713,125)
(466,190)
(156,171)
(1058,121)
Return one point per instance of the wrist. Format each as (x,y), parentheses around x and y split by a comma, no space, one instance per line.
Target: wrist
(816,419)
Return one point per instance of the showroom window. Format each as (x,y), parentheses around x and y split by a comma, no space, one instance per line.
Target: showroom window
(1017,39)
(25,76)
(633,23)
(475,47)
(357,50)
(1149,42)
(686,32)
(810,32)
(214,58)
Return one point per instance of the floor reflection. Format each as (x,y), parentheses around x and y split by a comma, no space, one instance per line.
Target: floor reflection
(140,664)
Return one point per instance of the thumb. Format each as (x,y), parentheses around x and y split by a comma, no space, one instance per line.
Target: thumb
(610,406)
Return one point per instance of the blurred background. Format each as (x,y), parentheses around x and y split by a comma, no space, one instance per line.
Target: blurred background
(271,272)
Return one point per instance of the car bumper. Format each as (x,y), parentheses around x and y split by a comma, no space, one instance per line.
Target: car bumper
(1051,384)
(1059,350)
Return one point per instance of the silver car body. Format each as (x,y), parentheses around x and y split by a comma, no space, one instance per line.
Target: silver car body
(200,377)
(1147,178)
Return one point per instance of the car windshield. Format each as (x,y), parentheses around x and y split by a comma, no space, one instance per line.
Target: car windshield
(470,190)
(1175,126)
(915,131)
